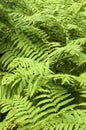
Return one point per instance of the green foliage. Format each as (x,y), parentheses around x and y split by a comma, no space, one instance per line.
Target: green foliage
(42,65)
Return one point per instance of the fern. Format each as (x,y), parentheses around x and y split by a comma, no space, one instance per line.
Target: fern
(42,65)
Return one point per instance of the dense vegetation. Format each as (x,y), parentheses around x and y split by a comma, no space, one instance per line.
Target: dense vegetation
(42,64)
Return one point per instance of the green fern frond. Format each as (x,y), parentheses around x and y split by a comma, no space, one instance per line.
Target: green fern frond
(42,65)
